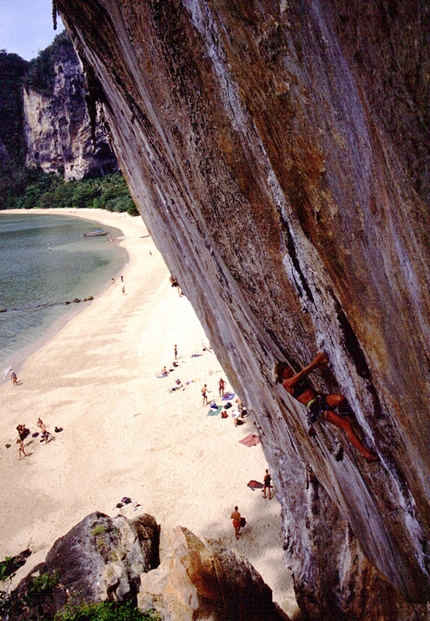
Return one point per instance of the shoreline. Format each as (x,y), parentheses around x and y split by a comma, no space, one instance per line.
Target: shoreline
(124,433)
(21,355)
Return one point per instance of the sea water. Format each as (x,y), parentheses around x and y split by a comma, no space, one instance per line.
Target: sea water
(45,261)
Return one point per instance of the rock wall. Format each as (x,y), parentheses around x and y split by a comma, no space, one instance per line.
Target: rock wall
(278,152)
(58,128)
(99,559)
(105,559)
(199,580)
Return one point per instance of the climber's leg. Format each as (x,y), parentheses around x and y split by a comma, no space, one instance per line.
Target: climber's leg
(335,400)
(346,425)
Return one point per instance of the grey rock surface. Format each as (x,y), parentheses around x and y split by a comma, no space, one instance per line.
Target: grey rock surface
(200,580)
(100,559)
(117,559)
(279,154)
(60,133)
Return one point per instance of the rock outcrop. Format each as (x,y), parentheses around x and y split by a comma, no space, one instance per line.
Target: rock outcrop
(200,580)
(46,117)
(116,559)
(100,559)
(279,154)
(60,135)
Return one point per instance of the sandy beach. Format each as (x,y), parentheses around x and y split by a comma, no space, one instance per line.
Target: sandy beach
(124,432)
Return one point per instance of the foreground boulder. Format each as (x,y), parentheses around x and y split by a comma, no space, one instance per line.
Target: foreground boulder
(202,580)
(107,559)
(101,558)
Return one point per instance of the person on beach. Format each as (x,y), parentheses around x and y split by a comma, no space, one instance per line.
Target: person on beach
(241,408)
(122,278)
(175,283)
(205,395)
(175,351)
(23,432)
(177,386)
(164,371)
(236,517)
(237,417)
(221,387)
(21,449)
(267,487)
(13,377)
(123,289)
(45,433)
(320,407)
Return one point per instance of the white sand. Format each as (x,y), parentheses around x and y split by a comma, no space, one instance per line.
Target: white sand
(123,433)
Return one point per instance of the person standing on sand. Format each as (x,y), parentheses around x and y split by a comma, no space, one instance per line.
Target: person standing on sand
(13,377)
(267,480)
(175,283)
(175,351)
(21,449)
(23,432)
(236,517)
(221,387)
(45,433)
(205,395)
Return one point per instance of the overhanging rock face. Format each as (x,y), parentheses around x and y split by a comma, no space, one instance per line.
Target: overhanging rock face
(279,153)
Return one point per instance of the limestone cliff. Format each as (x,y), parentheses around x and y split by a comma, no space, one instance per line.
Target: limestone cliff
(60,134)
(279,154)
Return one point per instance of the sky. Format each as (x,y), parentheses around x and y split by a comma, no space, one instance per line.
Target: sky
(26,26)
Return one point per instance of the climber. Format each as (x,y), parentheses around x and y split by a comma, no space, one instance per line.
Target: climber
(319,406)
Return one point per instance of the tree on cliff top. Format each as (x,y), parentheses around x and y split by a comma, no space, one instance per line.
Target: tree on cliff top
(12,69)
(40,76)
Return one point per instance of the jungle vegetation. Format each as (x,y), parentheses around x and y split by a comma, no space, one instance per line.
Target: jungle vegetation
(29,188)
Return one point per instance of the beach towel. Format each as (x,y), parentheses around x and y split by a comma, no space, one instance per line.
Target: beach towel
(228,396)
(250,440)
(255,485)
(214,412)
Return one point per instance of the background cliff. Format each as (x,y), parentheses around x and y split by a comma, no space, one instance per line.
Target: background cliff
(60,134)
(44,115)
(12,140)
(279,154)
